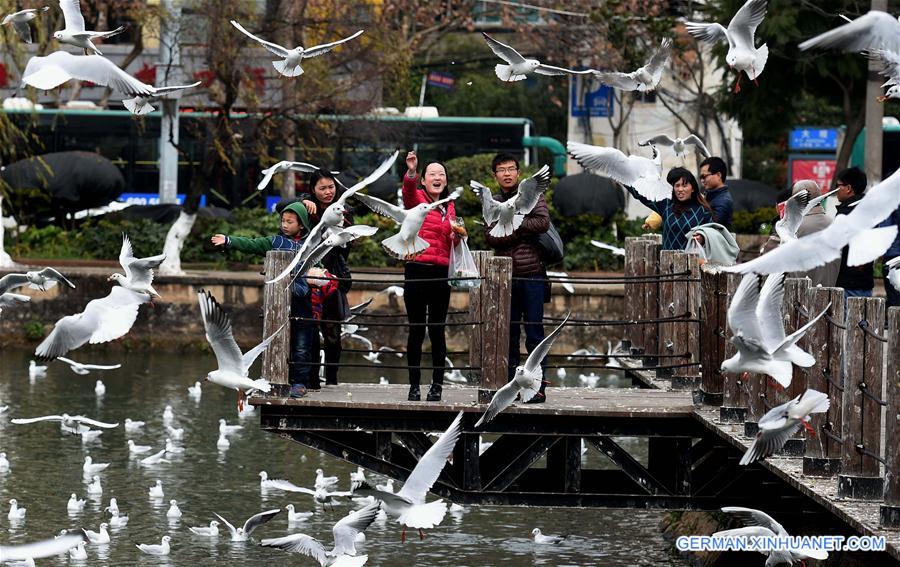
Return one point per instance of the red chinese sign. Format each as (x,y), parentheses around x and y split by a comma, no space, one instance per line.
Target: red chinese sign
(819,170)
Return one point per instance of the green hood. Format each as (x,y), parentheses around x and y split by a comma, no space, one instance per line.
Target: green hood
(300,210)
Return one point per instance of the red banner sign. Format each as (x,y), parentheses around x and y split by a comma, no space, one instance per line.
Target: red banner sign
(819,170)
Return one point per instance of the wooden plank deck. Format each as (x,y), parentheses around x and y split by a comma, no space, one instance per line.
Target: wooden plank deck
(862,515)
(580,402)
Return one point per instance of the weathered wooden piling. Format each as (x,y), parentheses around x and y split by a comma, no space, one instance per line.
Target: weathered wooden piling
(276,313)
(713,311)
(861,424)
(825,342)
(794,316)
(650,303)
(667,331)
(689,376)
(735,398)
(890,510)
(634,267)
(478,300)
(495,326)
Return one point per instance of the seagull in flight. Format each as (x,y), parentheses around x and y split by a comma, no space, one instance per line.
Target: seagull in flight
(645,78)
(888,63)
(781,423)
(285,165)
(678,145)
(19,21)
(508,215)
(642,174)
(406,244)
(45,548)
(527,379)
(344,532)
(289,65)
(518,67)
(68,422)
(253,522)
(408,505)
(10,299)
(797,207)
(103,320)
(42,280)
(743,55)
(82,369)
(604,246)
(48,72)
(74,32)
(760,524)
(138,275)
(757,327)
(234,366)
(873,30)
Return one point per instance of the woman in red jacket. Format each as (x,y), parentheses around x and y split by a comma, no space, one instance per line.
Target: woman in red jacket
(428,300)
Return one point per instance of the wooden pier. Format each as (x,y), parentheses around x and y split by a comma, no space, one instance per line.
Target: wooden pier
(695,421)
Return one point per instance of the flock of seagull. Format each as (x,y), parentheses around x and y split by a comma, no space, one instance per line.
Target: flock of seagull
(754,315)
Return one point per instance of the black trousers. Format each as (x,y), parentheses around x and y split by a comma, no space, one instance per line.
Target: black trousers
(426,301)
(331,334)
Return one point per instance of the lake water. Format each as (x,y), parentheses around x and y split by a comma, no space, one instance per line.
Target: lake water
(46,467)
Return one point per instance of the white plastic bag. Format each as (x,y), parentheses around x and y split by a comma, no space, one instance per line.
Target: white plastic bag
(694,247)
(462,265)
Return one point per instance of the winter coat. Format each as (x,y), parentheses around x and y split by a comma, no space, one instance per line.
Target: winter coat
(336,259)
(675,227)
(893,220)
(722,205)
(436,228)
(854,277)
(521,245)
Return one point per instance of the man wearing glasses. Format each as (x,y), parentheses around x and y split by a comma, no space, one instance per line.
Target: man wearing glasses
(529,286)
(712,177)
(857,281)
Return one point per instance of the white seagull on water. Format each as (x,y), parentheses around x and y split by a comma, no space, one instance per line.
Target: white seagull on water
(211,531)
(162,548)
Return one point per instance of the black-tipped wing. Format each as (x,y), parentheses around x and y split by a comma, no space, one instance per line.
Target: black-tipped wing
(531,189)
(257,520)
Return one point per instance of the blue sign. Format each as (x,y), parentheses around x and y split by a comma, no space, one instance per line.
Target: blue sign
(814,139)
(590,97)
(153,198)
(271,202)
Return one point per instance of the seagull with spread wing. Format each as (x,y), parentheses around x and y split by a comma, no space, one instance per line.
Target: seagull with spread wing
(82,369)
(888,65)
(332,219)
(874,30)
(508,215)
(760,524)
(406,244)
(757,328)
(340,238)
(642,174)
(518,67)
(9,299)
(344,531)
(282,166)
(678,145)
(103,320)
(645,78)
(41,280)
(289,65)
(20,19)
(69,422)
(234,366)
(781,423)
(243,533)
(856,229)
(44,548)
(74,32)
(743,55)
(797,207)
(408,504)
(527,379)
(138,271)
(59,67)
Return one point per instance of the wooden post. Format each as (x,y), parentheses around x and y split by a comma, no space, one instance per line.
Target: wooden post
(861,431)
(632,261)
(735,400)
(666,340)
(495,329)
(793,315)
(825,342)
(890,510)
(686,304)
(478,298)
(650,340)
(277,312)
(693,308)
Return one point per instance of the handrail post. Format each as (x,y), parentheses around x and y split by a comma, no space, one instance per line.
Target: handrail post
(860,475)
(634,298)
(826,337)
(735,400)
(496,313)
(793,315)
(650,331)
(478,299)
(890,510)
(666,301)
(277,312)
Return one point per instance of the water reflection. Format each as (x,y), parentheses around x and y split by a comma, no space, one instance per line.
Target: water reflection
(46,467)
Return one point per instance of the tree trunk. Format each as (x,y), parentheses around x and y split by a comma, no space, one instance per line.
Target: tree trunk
(175,238)
(854,127)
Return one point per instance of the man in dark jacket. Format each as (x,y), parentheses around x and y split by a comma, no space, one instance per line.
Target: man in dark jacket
(529,274)
(857,281)
(304,333)
(893,295)
(712,177)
